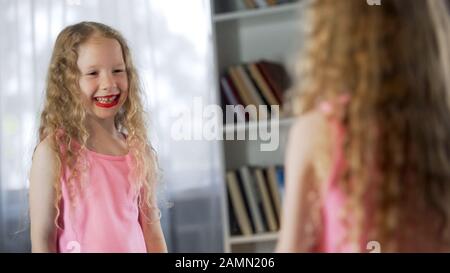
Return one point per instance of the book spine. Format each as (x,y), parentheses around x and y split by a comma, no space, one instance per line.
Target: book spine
(262,84)
(238,205)
(249,188)
(266,204)
(256,98)
(274,189)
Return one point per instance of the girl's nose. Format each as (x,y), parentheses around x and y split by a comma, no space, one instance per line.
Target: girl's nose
(107,81)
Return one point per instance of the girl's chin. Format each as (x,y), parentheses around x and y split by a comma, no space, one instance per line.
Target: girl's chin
(102,114)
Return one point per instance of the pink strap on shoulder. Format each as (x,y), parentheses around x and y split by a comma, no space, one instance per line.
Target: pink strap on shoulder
(328,107)
(338,131)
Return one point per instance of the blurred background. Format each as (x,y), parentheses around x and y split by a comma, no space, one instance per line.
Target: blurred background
(183,49)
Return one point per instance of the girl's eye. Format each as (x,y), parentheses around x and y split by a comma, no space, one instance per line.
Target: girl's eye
(93,73)
(118,70)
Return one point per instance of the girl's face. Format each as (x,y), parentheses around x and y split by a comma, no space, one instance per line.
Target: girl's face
(103,80)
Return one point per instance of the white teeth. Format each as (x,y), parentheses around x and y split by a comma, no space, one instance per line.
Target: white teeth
(106,100)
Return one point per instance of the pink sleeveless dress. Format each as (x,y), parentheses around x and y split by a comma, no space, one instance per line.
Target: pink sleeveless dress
(105,216)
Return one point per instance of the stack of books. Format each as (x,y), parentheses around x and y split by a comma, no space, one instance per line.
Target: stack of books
(254,199)
(258,83)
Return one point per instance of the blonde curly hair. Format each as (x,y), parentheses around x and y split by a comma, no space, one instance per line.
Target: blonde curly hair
(394,62)
(63,111)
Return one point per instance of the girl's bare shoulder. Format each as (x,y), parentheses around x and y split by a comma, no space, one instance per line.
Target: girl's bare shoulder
(310,144)
(44,161)
(309,130)
(45,149)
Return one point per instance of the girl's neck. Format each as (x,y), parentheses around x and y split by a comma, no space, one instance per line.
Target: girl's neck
(98,127)
(105,138)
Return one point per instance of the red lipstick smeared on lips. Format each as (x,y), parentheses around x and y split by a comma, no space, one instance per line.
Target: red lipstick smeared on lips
(107,101)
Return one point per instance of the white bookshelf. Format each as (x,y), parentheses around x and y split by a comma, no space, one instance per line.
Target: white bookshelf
(254,125)
(271,33)
(247,152)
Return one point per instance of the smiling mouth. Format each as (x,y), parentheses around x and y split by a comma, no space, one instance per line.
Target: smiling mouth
(107,101)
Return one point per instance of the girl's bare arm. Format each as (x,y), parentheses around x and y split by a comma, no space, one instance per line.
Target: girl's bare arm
(299,180)
(151,227)
(41,198)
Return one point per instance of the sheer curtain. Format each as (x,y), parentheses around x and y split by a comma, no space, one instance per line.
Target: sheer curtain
(172,48)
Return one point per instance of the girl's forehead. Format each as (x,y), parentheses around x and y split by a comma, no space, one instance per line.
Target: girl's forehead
(99,48)
(99,42)
(98,39)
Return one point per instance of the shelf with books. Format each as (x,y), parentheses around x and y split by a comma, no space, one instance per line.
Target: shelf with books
(253,48)
(248,13)
(258,87)
(253,206)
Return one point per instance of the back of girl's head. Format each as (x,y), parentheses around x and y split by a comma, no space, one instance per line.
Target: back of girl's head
(355,47)
(393,60)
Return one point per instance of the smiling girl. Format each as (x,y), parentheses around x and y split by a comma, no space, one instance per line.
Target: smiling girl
(93,176)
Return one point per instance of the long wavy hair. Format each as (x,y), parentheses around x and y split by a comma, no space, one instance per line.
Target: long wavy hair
(394,62)
(63,111)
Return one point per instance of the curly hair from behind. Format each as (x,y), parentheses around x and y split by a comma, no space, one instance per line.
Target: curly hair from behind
(393,61)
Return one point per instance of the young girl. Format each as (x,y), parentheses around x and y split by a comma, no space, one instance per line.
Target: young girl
(93,176)
(368,162)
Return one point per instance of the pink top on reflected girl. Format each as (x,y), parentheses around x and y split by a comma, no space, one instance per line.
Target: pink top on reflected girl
(105,216)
